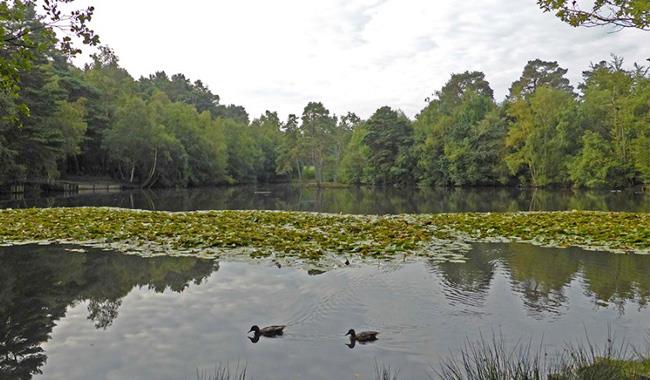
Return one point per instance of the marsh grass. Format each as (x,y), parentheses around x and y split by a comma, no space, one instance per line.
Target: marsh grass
(492,359)
(224,372)
(612,361)
(385,372)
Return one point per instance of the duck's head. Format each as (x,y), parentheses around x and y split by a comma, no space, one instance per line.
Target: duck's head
(351,333)
(255,329)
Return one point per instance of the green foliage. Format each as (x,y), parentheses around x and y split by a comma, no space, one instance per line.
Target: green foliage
(144,150)
(244,156)
(388,136)
(59,120)
(25,35)
(70,119)
(595,164)
(615,105)
(268,136)
(460,133)
(317,131)
(641,153)
(538,73)
(618,13)
(539,140)
(289,160)
(355,167)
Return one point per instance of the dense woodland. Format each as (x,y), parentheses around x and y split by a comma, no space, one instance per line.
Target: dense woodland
(170,131)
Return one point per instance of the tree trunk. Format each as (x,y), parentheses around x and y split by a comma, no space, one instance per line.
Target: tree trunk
(132,172)
(299,167)
(119,170)
(153,169)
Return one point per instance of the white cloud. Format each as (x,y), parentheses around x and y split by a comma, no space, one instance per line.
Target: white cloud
(353,55)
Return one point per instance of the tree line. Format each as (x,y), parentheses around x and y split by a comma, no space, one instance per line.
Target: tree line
(169,131)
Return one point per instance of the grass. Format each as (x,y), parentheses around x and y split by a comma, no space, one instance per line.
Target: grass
(385,372)
(313,235)
(224,372)
(492,360)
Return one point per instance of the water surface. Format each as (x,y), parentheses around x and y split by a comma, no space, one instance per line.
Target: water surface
(347,200)
(103,315)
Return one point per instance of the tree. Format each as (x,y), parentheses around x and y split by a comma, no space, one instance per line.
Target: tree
(143,151)
(269,139)
(540,137)
(459,84)
(540,73)
(70,120)
(25,35)
(317,128)
(459,135)
(340,140)
(619,13)
(355,167)
(108,83)
(595,165)
(200,136)
(640,107)
(290,156)
(244,155)
(475,143)
(178,88)
(388,137)
(232,111)
(608,109)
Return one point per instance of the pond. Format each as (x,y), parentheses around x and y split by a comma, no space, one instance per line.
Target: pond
(103,315)
(347,200)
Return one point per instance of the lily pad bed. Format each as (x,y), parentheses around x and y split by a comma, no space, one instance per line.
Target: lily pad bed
(318,237)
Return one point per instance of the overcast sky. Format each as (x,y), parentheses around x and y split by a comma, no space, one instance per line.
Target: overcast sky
(353,55)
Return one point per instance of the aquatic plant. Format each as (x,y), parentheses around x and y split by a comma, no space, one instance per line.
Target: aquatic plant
(315,236)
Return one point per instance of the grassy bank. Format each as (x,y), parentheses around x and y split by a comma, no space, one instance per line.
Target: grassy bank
(313,236)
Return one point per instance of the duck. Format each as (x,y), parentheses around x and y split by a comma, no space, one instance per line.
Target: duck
(268,331)
(363,336)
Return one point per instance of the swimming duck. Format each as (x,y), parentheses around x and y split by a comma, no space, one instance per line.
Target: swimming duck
(363,336)
(269,331)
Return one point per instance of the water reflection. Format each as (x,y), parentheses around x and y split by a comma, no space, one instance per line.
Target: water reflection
(350,200)
(59,308)
(37,284)
(542,276)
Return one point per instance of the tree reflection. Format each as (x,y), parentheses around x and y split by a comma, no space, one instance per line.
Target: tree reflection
(37,284)
(103,313)
(616,278)
(353,200)
(541,276)
(468,283)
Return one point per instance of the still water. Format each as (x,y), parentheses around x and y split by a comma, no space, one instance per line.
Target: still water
(102,315)
(348,200)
